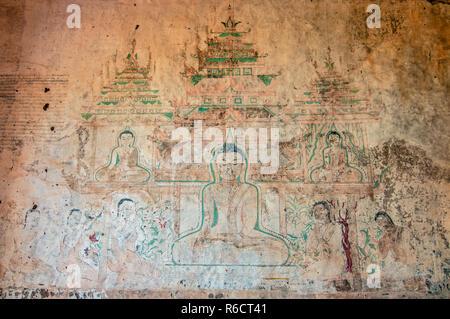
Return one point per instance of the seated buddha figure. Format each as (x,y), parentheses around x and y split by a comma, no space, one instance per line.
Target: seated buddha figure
(123,165)
(230,231)
(335,167)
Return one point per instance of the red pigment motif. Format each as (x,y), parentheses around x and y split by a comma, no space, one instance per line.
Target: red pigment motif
(162,225)
(345,241)
(343,221)
(93,239)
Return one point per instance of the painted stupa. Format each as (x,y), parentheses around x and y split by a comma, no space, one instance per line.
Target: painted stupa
(230,84)
(130,95)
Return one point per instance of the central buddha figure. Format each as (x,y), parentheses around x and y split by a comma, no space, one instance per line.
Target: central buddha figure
(230,232)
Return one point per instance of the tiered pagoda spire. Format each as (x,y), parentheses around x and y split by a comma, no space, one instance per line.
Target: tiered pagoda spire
(331,97)
(229,81)
(130,93)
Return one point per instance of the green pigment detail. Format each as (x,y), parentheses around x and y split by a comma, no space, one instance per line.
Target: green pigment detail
(267,79)
(169,115)
(196,78)
(251,59)
(216,216)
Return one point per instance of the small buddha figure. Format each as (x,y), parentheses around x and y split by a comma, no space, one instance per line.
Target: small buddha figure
(230,232)
(124,163)
(335,167)
(131,60)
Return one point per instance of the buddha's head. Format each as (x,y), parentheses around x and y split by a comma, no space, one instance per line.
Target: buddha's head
(230,162)
(384,220)
(334,138)
(126,138)
(32,218)
(321,213)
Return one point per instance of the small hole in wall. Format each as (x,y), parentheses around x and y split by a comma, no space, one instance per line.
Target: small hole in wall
(46,90)
(46,106)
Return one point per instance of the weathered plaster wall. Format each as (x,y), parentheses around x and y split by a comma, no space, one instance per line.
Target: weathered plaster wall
(88,186)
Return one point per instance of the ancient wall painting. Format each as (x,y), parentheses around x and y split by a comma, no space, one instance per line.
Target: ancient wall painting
(331,96)
(82,247)
(122,111)
(52,247)
(130,95)
(33,269)
(140,235)
(137,220)
(231,231)
(233,215)
(333,141)
(123,165)
(334,158)
(229,84)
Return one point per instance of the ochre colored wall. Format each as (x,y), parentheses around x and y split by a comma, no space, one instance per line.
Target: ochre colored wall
(92,203)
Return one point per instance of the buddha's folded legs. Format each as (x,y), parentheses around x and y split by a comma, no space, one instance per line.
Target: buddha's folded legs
(265,251)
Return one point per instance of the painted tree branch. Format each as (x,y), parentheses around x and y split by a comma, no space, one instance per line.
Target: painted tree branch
(343,221)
